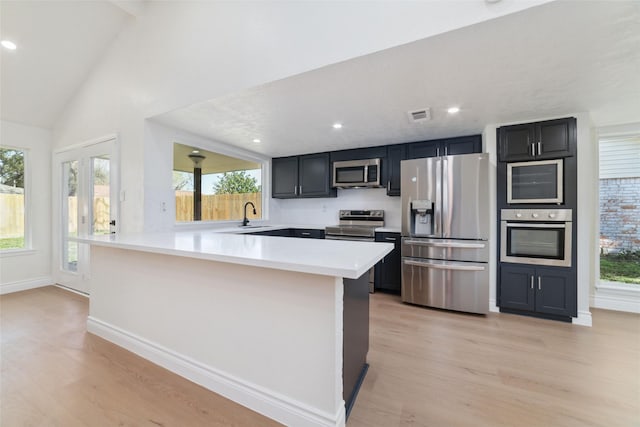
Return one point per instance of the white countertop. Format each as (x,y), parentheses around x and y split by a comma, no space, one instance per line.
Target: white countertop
(316,256)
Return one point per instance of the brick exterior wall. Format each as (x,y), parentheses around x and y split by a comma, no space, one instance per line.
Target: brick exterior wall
(619,214)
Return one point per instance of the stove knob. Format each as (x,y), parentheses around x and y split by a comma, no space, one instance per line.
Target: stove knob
(534,215)
(552,215)
(518,215)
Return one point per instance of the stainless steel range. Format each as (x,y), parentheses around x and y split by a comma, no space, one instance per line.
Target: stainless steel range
(357,226)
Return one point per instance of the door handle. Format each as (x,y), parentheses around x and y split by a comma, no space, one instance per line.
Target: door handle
(539,284)
(446,245)
(532,282)
(539,148)
(391,239)
(388,186)
(444,266)
(300,186)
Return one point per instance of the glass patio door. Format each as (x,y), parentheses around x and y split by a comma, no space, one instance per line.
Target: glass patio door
(88,204)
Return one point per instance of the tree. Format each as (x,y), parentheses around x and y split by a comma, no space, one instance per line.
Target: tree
(182,180)
(12,167)
(236,182)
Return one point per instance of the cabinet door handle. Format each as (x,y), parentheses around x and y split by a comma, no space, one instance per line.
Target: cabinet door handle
(388,186)
(539,148)
(446,150)
(532,150)
(304,233)
(531,282)
(300,190)
(539,284)
(392,239)
(437,151)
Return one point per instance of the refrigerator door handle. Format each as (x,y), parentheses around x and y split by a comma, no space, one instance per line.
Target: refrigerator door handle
(444,266)
(439,204)
(447,245)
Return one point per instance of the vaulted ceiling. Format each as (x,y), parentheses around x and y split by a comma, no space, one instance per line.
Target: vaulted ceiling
(549,60)
(58,44)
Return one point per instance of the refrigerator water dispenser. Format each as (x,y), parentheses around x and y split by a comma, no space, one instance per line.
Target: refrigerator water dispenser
(421,218)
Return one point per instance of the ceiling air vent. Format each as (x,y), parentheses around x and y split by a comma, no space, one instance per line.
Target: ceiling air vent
(421,115)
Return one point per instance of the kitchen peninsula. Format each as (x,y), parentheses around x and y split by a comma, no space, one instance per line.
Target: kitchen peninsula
(277,324)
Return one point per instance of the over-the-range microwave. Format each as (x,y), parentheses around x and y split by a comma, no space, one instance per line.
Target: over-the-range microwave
(356,173)
(539,181)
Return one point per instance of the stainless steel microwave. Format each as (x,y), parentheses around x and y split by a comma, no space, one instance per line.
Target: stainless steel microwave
(535,182)
(356,173)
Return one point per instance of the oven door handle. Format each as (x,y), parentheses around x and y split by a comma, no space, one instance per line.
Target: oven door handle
(456,245)
(349,238)
(444,266)
(534,225)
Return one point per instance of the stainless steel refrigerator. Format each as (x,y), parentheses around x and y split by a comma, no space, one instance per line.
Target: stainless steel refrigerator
(445,229)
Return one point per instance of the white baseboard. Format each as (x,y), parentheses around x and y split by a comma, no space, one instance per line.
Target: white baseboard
(23,285)
(584,319)
(493,307)
(617,296)
(260,399)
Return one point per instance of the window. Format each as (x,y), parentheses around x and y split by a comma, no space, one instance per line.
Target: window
(13,229)
(214,187)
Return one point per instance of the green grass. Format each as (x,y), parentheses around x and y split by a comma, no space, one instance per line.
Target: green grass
(623,267)
(12,243)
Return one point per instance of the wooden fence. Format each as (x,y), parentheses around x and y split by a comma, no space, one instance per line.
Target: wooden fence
(218,207)
(215,207)
(12,215)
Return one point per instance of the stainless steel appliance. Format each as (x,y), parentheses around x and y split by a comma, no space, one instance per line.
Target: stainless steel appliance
(535,182)
(356,173)
(536,236)
(357,225)
(445,229)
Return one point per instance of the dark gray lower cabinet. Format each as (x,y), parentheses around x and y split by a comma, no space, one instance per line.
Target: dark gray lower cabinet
(388,271)
(308,233)
(550,291)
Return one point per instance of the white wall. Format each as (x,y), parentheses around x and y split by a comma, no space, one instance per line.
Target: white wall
(587,207)
(160,212)
(325,211)
(178,53)
(31,268)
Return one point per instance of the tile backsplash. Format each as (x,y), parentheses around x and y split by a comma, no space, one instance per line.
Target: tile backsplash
(324,211)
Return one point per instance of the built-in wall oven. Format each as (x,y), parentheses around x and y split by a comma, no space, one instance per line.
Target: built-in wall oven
(536,236)
(535,182)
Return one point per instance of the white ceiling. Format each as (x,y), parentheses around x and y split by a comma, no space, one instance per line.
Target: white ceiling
(547,61)
(59,42)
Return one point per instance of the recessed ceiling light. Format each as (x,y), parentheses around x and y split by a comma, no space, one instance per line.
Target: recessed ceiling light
(9,44)
(257,141)
(337,125)
(195,151)
(453,110)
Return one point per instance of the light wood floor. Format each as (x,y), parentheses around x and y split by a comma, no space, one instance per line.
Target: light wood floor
(428,368)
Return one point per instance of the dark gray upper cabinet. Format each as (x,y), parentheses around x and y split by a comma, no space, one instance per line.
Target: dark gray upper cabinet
(284,183)
(359,154)
(395,154)
(314,176)
(550,139)
(445,147)
(462,145)
(302,176)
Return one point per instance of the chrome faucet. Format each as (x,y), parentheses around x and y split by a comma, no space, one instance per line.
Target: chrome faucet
(245,220)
